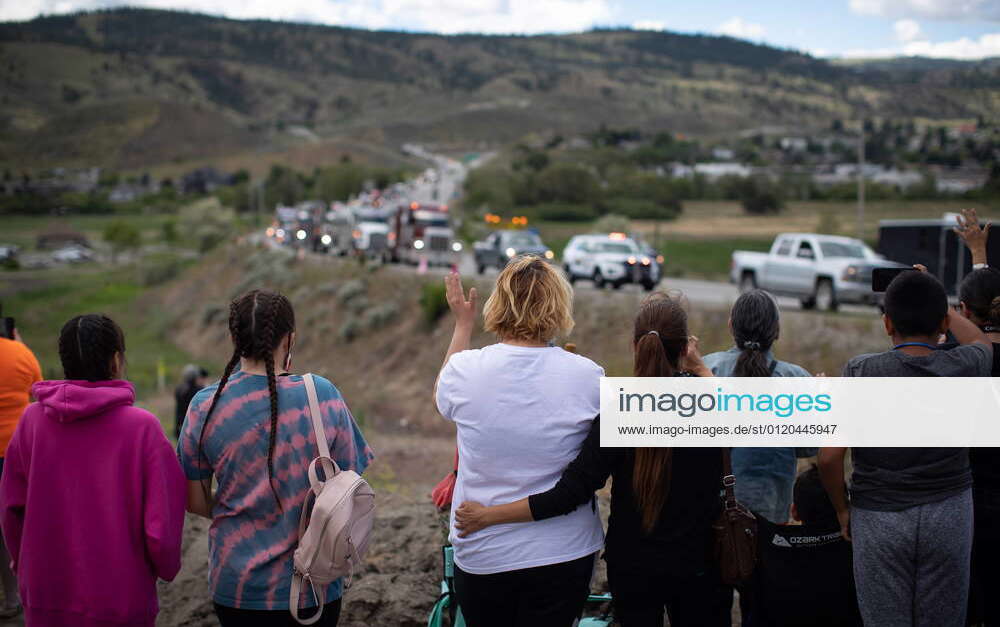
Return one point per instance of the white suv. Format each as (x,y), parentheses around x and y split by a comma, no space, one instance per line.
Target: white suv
(611,259)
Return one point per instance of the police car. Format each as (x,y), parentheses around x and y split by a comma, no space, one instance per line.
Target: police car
(613,259)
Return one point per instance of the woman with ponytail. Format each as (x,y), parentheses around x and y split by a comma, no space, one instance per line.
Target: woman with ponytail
(765,477)
(663,500)
(253,433)
(92,495)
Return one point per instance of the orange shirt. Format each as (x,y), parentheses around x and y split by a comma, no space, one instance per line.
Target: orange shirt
(19,370)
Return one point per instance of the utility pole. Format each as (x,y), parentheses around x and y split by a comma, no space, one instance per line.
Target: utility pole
(861,181)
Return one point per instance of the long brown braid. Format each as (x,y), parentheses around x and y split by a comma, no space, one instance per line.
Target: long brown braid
(258,321)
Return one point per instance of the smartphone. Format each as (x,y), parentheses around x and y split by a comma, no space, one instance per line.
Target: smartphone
(882,277)
(6,326)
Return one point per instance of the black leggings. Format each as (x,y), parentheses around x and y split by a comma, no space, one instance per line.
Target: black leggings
(545,596)
(639,599)
(233,617)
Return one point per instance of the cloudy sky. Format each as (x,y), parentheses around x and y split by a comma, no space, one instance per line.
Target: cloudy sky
(965,29)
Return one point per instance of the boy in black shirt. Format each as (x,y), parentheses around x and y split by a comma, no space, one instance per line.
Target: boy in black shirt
(804,573)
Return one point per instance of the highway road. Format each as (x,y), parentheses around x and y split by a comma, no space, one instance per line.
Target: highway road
(445,185)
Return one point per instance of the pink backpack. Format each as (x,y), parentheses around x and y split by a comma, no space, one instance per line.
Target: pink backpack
(333,531)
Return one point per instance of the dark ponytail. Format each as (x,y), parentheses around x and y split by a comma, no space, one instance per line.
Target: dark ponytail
(755,324)
(258,321)
(980,292)
(660,335)
(87,348)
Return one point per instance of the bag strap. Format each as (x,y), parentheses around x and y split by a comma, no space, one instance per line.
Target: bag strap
(774,366)
(293,599)
(728,479)
(329,467)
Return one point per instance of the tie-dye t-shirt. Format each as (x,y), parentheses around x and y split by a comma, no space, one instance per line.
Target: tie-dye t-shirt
(252,540)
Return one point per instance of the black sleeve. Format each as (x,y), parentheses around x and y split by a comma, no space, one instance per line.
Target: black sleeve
(584,475)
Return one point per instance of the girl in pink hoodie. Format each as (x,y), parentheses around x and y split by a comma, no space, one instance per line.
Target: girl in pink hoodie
(92,496)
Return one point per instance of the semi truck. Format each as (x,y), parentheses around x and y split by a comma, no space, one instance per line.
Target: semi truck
(421,231)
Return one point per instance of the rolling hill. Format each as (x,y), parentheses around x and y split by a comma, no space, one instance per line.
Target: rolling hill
(131,88)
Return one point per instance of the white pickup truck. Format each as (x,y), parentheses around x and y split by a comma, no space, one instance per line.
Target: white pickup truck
(820,270)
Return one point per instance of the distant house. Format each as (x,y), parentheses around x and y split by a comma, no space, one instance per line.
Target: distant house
(960,181)
(126,192)
(713,171)
(794,144)
(723,154)
(204,181)
(59,235)
(900,179)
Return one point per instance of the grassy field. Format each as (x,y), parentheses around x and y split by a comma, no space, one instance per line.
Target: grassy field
(24,230)
(42,301)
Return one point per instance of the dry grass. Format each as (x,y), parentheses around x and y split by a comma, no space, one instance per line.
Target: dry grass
(712,220)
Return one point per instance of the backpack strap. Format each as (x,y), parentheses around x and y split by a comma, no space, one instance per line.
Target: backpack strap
(293,600)
(774,366)
(329,466)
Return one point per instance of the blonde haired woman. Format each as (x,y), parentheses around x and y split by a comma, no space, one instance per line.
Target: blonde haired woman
(523,408)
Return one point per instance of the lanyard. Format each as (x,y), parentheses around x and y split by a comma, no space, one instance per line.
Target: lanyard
(924,344)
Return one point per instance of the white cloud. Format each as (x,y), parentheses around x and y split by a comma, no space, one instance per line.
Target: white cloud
(907,30)
(649,25)
(985,46)
(964,48)
(741,29)
(443,16)
(931,9)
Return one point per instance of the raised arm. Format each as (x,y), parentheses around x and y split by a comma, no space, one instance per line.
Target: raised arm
(582,477)
(465,318)
(974,236)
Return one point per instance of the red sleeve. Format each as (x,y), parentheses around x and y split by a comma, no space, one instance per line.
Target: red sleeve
(164,499)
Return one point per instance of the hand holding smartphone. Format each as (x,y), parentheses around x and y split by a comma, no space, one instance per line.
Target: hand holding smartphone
(6,326)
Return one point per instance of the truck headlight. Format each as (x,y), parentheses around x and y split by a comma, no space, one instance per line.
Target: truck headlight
(280,233)
(645,261)
(631,261)
(549,254)
(456,246)
(326,239)
(510,252)
(851,273)
(418,244)
(300,234)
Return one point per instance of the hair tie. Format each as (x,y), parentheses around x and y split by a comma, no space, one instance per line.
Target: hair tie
(751,346)
(653,332)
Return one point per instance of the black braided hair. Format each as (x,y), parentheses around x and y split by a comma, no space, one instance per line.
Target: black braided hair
(88,345)
(258,321)
(755,325)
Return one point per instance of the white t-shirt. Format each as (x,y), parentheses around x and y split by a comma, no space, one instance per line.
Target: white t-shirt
(522,414)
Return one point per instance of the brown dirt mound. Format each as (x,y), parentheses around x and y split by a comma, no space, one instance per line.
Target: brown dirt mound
(397,587)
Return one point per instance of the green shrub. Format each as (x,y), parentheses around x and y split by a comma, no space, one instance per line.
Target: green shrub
(351,290)
(433,301)
(157,269)
(350,329)
(358,305)
(565,212)
(381,315)
(210,314)
(613,223)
